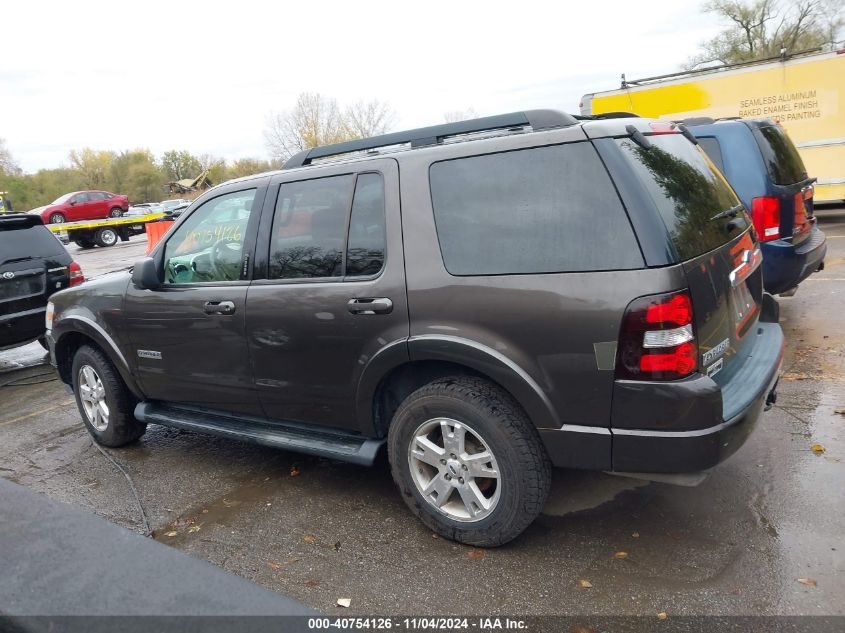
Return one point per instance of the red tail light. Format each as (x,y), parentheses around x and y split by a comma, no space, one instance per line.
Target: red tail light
(657,340)
(766,215)
(801,225)
(76,276)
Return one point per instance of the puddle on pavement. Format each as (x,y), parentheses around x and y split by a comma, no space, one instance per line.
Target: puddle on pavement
(579,490)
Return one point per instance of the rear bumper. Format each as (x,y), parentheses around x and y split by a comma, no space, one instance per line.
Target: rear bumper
(663,450)
(21,327)
(785,266)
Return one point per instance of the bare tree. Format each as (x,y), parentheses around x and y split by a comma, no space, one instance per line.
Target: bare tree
(757,29)
(318,120)
(8,166)
(370,118)
(454,116)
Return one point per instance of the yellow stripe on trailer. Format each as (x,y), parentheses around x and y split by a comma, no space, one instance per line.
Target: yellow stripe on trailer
(96,224)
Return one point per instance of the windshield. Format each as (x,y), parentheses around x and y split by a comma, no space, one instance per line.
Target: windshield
(783,163)
(62,199)
(688,191)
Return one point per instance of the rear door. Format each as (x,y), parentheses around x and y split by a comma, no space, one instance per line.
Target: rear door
(33,265)
(788,181)
(333,294)
(188,336)
(719,250)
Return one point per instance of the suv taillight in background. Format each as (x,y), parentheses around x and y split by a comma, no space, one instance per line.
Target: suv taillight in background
(766,215)
(76,276)
(657,339)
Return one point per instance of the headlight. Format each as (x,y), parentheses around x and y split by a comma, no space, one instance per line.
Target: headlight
(48,316)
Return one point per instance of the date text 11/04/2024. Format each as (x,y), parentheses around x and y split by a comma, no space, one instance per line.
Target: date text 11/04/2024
(482,624)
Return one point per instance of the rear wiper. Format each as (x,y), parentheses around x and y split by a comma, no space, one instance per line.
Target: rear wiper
(17,259)
(728,213)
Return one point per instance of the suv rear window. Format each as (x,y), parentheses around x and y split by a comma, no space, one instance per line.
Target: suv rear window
(542,210)
(782,160)
(25,243)
(687,190)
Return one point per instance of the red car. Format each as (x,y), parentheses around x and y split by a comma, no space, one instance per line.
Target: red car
(84,205)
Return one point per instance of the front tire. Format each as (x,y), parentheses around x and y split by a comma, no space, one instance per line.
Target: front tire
(104,401)
(468,461)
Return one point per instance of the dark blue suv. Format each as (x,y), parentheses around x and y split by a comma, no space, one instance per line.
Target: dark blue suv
(764,168)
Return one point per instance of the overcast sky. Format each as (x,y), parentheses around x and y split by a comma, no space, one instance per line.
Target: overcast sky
(204,76)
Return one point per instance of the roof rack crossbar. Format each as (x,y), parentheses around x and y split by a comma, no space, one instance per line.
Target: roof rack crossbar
(420,137)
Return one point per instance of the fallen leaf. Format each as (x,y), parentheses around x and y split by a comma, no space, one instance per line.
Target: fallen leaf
(636,535)
(839,411)
(344,602)
(273,565)
(621,555)
(433,535)
(662,615)
(308,538)
(810,582)
(205,511)
(337,546)
(312,583)
(818,449)
(194,528)
(173,533)
(294,471)
(794,377)
(585,584)
(475,554)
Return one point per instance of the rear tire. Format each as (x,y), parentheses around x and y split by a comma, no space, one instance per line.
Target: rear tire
(106,236)
(85,242)
(56,218)
(116,212)
(104,401)
(466,429)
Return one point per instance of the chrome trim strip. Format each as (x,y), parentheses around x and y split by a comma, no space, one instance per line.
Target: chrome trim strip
(55,270)
(822,142)
(576,428)
(750,261)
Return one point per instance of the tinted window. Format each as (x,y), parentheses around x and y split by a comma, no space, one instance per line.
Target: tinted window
(542,210)
(35,241)
(208,246)
(365,249)
(82,197)
(309,227)
(713,150)
(783,163)
(687,190)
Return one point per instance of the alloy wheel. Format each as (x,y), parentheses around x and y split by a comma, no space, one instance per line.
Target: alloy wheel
(92,393)
(454,469)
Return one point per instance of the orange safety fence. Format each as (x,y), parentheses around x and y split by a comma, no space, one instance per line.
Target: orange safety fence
(155,231)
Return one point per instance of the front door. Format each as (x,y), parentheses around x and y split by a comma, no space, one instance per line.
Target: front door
(333,293)
(78,207)
(188,336)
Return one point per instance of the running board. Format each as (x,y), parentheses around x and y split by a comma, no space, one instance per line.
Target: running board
(301,438)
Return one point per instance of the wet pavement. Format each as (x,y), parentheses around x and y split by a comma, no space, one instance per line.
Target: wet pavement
(318,530)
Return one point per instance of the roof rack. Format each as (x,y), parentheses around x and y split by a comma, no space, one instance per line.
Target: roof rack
(421,137)
(606,115)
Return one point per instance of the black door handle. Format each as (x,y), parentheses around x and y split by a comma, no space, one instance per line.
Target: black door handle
(378,305)
(218,307)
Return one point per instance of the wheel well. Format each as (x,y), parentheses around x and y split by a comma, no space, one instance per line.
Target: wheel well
(66,350)
(405,379)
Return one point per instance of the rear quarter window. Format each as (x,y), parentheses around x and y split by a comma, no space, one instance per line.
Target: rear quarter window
(782,160)
(711,147)
(542,210)
(687,190)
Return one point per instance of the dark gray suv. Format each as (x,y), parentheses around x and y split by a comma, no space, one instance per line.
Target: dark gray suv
(488,299)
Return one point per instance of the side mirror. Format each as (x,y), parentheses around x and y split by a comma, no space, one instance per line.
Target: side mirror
(72,202)
(145,275)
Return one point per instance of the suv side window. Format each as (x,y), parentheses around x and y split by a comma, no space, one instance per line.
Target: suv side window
(208,246)
(711,147)
(542,210)
(367,239)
